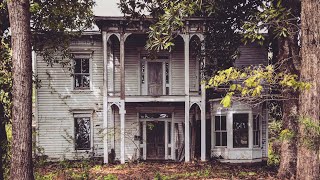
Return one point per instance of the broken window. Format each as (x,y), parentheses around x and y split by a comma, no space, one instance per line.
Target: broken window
(256,130)
(220,130)
(81,74)
(82,133)
(240,130)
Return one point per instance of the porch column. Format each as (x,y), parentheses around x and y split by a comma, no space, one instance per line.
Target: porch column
(203,110)
(105,96)
(186,38)
(122,126)
(122,99)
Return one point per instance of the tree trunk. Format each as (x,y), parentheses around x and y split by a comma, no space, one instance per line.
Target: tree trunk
(21,159)
(289,56)
(308,157)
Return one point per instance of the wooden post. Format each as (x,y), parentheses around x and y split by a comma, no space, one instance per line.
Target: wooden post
(203,112)
(122,127)
(165,140)
(173,139)
(186,38)
(105,97)
(122,73)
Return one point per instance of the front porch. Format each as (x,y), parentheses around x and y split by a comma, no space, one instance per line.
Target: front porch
(155,131)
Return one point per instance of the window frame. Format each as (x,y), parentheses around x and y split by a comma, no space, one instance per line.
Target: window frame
(83,115)
(220,131)
(258,130)
(86,57)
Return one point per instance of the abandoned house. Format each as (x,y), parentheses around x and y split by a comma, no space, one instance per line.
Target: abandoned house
(123,103)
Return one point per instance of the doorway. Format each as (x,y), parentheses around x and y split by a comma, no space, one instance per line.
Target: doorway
(155,140)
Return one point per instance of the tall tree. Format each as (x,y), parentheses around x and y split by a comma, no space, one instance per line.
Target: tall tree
(21,162)
(52,26)
(308,148)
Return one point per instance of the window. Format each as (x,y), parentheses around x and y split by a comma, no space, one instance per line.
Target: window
(81,74)
(82,132)
(220,125)
(256,130)
(240,130)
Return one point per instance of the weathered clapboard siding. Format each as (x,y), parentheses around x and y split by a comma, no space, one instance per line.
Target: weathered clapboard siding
(177,67)
(193,70)
(57,100)
(264,129)
(132,60)
(251,54)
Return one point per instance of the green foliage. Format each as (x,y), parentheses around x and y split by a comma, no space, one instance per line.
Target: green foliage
(254,81)
(109,177)
(286,134)
(273,16)
(56,23)
(49,176)
(273,156)
(311,132)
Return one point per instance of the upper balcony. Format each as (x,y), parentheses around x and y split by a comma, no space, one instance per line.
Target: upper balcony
(149,76)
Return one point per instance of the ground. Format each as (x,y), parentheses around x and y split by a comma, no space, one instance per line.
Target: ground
(152,170)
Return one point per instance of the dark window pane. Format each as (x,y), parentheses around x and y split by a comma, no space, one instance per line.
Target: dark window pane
(167,90)
(224,138)
(77,66)
(85,65)
(141,152)
(218,138)
(169,151)
(240,130)
(167,73)
(142,72)
(169,132)
(86,81)
(223,123)
(77,81)
(217,122)
(82,133)
(141,132)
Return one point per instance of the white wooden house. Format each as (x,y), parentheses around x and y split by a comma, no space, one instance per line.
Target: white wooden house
(121,99)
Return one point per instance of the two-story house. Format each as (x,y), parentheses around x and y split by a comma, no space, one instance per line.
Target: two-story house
(121,100)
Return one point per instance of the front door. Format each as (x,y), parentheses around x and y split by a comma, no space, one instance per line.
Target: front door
(155,78)
(155,140)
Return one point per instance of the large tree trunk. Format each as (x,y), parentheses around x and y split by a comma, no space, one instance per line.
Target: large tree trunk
(308,157)
(289,56)
(21,160)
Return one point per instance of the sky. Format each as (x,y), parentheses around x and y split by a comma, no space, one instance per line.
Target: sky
(107,8)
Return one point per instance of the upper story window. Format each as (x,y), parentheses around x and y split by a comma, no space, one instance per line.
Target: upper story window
(81,73)
(82,127)
(220,127)
(240,130)
(256,130)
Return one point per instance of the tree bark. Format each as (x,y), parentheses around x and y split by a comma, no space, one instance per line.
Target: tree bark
(21,159)
(289,56)
(308,157)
